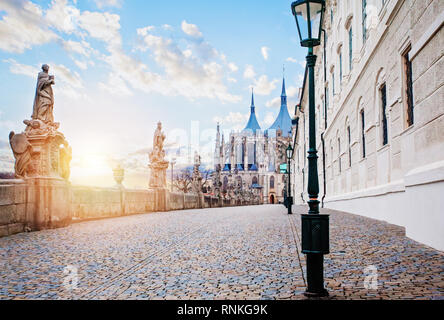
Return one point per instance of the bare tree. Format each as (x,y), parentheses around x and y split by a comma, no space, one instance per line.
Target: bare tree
(183,180)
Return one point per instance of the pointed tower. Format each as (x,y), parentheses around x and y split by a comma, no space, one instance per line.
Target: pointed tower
(283,120)
(253,124)
(217,158)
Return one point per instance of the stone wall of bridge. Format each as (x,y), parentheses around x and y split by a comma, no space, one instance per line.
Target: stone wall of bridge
(61,204)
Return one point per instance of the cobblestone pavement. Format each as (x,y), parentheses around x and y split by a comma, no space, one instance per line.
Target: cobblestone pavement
(223,253)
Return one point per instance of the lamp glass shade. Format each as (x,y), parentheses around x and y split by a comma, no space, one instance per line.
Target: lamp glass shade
(315,17)
(289,152)
(308,15)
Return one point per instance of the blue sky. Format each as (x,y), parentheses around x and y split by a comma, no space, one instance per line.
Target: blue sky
(123,65)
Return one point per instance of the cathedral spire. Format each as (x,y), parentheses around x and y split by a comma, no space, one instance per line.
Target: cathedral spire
(283,120)
(283,94)
(252,124)
(252,100)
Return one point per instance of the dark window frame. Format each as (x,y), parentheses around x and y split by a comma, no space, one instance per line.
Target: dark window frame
(363,132)
(408,84)
(384,123)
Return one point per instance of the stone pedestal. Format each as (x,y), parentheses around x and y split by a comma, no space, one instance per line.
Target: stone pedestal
(43,161)
(158,174)
(49,203)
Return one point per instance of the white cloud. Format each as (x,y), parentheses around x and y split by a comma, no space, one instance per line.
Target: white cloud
(265,52)
(62,16)
(269,119)
(273,103)
(80,47)
(67,76)
(102,26)
(293,60)
(191,30)
(81,64)
(264,87)
(233,121)
(116,86)
(68,83)
(18,68)
(292,91)
(167,27)
(144,31)
(23,26)
(233,67)
(108,3)
(249,72)
(198,71)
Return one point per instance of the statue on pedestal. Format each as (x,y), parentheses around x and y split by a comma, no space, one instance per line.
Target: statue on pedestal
(158,165)
(41,150)
(42,158)
(44,97)
(197,178)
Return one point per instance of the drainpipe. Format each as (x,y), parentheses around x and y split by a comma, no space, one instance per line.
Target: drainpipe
(325,80)
(323,169)
(325,122)
(303,169)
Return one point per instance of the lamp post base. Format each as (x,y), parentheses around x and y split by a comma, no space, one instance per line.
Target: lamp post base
(323,293)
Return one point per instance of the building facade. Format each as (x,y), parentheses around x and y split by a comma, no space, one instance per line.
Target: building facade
(252,157)
(379,114)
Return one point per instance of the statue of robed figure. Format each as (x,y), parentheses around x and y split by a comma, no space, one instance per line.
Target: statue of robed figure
(44,97)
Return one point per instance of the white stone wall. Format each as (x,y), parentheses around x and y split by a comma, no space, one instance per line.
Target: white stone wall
(378,185)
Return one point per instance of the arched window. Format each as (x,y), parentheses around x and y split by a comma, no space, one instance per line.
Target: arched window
(362,120)
(271,182)
(239,182)
(339,154)
(340,65)
(254,181)
(350,48)
(349,146)
(383,94)
(364,20)
(225,185)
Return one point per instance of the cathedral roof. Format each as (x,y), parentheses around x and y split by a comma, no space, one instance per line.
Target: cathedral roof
(283,120)
(252,124)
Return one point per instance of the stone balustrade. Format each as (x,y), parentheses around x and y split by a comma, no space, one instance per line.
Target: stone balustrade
(19,211)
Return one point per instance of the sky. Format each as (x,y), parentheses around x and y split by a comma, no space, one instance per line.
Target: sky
(123,65)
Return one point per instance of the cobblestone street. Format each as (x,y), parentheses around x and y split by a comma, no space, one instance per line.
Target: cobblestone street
(222,253)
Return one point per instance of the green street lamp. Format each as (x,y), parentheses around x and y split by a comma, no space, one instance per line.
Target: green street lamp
(289,154)
(309,15)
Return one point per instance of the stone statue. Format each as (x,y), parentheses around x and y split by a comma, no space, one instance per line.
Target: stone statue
(158,165)
(37,150)
(197,178)
(44,97)
(22,151)
(158,154)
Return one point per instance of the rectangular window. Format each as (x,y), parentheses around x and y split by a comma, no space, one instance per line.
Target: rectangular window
(364,20)
(384,114)
(350,48)
(333,82)
(363,133)
(340,66)
(331,16)
(339,155)
(408,88)
(326,97)
(349,147)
